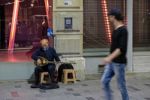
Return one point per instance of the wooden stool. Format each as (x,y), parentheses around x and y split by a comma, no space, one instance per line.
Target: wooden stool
(69,71)
(42,80)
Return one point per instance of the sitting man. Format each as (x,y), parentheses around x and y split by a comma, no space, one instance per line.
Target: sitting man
(50,54)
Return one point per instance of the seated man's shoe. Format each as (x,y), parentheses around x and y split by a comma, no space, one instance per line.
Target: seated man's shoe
(35,86)
(49,86)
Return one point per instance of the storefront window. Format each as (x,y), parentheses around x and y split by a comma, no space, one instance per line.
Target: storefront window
(96,34)
(31,25)
(141,24)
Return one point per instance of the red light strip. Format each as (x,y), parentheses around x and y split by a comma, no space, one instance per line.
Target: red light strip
(13,26)
(51,13)
(47,11)
(106,19)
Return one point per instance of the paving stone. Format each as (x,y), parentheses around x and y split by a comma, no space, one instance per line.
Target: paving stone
(90,98)
(38,95)
(67,93)
(76,94)
(70,89)
(14,94)
(17,86)
(42,91)
(9,99)
(147,98)
(84,84)
(147,85)
(87,91)
(133,89)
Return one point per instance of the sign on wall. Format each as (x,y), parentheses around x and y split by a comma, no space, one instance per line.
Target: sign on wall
(68,2)
(68,22)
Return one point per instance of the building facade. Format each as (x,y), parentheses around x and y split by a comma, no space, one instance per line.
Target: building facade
(68,26)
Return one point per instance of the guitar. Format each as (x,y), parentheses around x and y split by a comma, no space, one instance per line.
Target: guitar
(45,62)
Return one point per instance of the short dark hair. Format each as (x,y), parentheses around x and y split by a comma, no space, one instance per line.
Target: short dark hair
(117,13)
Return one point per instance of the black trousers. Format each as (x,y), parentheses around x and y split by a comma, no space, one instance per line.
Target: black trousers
(51,69)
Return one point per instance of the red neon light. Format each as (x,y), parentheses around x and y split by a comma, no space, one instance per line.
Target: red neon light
(51,13)
(48,12)
(13,26)
(106,19)
(48,8)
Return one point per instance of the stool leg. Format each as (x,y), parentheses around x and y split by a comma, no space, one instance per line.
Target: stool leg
(74,76)
(65,78)
(42,78)
(44,81)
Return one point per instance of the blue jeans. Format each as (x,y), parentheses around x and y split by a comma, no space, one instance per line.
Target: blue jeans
(111,70)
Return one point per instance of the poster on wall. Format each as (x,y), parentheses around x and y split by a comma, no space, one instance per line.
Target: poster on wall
(68,2)
(68,22)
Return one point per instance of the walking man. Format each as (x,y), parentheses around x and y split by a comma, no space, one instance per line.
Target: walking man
(115,62)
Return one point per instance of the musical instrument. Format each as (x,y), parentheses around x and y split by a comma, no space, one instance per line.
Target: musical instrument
(45,62)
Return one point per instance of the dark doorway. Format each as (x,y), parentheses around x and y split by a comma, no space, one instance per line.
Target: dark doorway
(2,27)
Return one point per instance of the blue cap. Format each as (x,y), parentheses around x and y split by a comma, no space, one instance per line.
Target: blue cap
(114,12)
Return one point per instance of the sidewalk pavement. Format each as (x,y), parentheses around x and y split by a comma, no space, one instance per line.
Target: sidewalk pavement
(138,88)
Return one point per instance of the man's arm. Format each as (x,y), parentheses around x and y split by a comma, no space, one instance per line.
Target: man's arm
(122,47)
(115,54)
(112,56)
(55,55)
(35,55)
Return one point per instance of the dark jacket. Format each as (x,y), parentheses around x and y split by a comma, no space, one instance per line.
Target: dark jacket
(49,54)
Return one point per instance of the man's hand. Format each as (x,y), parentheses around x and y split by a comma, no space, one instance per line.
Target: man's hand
(39,61)
(112,56)
(107,60)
